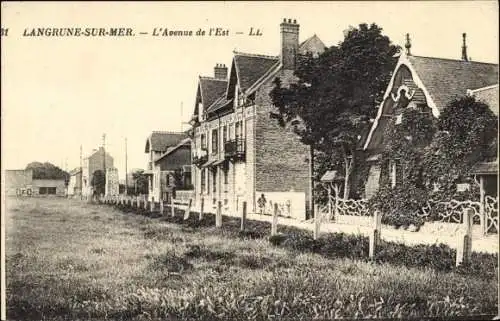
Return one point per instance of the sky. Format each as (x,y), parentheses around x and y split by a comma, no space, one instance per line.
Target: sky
(60,93)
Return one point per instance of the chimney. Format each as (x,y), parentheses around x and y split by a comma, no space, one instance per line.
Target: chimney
(289,43)
(408,45)
(464,48)
(220,71)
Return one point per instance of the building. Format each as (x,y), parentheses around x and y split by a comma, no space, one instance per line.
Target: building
(239,152)
(21,183)
(428,84)
(18,182)
(157,144)
(112,182)
(96,161)
(172,171)
(75,182)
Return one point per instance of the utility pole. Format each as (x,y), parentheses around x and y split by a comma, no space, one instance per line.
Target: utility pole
(126,169)
(81,172)
(104,159)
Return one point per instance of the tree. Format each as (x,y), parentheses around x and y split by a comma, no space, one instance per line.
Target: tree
(334,98)
(98,182)
(48,171)
(141,182)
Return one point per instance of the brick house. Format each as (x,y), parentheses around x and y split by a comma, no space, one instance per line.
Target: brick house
(239,152)
(157,144)
(427,84)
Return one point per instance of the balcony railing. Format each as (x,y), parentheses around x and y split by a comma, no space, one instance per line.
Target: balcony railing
(235,149)
(200,157)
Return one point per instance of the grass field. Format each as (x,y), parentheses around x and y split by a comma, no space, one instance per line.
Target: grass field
(68,260)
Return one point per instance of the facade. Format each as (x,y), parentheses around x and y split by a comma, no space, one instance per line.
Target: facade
(75,182)
(172,171)
(427,84)
(18,182)
(21,183)
(157,145)
(239,153)
(112,182)
(96,161)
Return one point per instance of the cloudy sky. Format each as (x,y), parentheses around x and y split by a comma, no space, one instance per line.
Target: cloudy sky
(60,93)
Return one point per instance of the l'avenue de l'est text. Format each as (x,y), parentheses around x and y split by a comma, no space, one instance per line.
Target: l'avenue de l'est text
(130,32)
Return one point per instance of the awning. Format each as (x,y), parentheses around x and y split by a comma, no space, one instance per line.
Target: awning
(220,161)
(149,172)
(210,162)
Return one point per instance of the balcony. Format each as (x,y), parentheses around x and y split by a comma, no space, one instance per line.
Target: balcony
(235,149)
(200,157)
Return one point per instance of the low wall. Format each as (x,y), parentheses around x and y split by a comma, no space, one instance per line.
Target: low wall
(290,204)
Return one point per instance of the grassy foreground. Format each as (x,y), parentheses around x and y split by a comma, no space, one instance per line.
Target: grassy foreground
(72,261)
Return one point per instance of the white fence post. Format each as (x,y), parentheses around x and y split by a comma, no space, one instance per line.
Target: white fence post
(161,207)
(188,210)
(375,233)
(172,205)
(317,222)
(202,205)
(218,215)
(243,216)
(464,246)
(274,226)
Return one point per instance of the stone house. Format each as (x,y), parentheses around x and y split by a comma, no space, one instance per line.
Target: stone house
(427,84)
(157,144)
(239,152)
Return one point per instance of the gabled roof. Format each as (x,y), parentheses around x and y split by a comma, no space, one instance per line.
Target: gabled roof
(312,45)
(446,79)
(170,150)
(220,103)
(211,89)
(251,67)
(159,141)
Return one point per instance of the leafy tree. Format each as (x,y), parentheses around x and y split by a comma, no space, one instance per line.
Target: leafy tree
(141,182)
(48,171)
(334,98)
(98,182)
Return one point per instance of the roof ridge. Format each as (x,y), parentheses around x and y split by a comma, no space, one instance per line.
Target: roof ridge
(239,53)
(166,132)
(457,60)
(211,78)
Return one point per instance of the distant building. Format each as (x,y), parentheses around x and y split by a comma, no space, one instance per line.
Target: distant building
(21,183)
(75,182)
(157,145)
(93,163)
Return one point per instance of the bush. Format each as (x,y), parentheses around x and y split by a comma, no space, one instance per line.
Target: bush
(400,205)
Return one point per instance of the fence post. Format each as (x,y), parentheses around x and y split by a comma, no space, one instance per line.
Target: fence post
(243,216)
(152,206)
(218,215)
(317,222)
(464,246)
(161,207)
(188,210)
(172,207)
(201,208)
(375,233)
(274,226)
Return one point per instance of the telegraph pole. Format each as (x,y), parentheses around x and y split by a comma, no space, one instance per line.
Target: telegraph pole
(81,172)
(104,159)
(126,169)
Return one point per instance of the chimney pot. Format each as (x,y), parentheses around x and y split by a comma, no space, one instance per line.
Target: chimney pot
(294,20)
(464,47)
(220,71)
(408,44)
(289,20)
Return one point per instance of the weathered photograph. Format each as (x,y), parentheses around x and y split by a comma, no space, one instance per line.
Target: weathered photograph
(250,160)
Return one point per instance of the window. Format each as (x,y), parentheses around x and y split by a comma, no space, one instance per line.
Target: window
(231,131)
(203,180)
(203,141)
(214,179)
(396,172)
(51,190)
(237,130)
(42,190)
(224,134)
(225,170)
(214,141)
